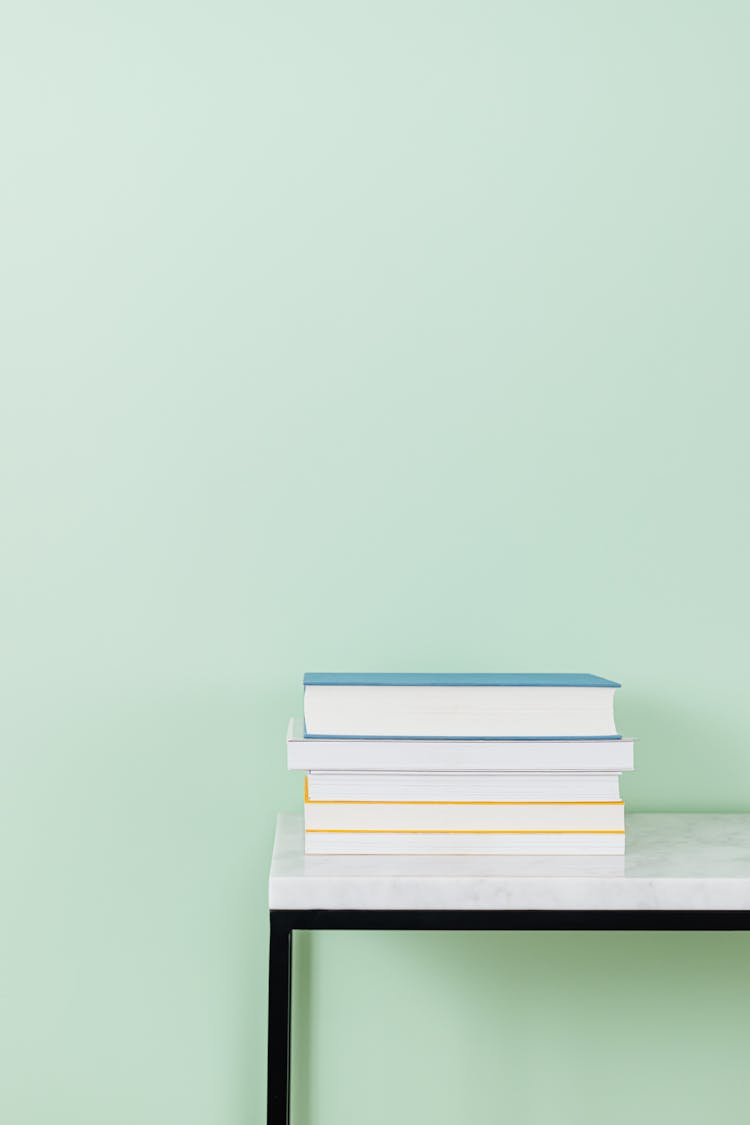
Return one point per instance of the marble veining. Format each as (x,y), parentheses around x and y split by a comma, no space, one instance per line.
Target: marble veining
(672,861)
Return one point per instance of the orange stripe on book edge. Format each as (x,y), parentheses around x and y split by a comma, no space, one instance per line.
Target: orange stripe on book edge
(342,802)
(307,799)
(476,831)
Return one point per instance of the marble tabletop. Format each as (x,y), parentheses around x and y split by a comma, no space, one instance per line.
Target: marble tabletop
(672,861)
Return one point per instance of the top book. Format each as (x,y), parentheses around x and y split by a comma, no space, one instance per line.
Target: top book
(458,705)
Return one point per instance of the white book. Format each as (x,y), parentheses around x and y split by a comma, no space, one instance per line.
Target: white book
(351,754)
(459,706)
(461,817)
(476,843)
(479,785)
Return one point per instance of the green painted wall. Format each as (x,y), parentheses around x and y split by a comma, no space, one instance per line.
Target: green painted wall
(341,335)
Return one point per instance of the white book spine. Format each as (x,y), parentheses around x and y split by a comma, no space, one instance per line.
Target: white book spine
(395,843)
(469,816)
(461,711)
(477,785)
(599,755)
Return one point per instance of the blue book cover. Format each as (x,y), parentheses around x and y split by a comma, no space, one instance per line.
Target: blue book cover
(456,679)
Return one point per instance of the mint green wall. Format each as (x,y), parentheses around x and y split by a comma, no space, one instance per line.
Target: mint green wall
(341,335)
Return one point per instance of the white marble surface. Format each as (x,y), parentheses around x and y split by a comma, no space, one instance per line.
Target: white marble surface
(673,861)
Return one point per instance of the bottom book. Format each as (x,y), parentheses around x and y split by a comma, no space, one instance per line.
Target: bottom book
(464,843)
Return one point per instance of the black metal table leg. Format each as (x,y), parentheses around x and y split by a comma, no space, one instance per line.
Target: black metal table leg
(279,1018)
(284,922)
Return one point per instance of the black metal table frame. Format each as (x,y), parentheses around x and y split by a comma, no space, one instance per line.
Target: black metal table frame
(285,922)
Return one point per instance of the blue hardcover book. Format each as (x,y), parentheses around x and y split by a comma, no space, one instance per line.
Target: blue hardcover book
(456,679)
(462,705)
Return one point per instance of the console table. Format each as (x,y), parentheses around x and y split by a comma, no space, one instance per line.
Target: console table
(681,872)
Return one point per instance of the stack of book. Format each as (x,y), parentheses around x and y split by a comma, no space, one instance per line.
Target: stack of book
(460,764)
